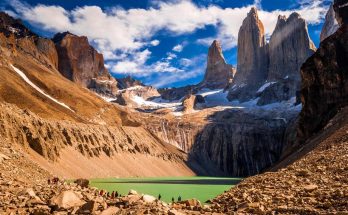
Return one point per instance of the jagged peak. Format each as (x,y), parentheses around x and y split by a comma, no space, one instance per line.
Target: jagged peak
(61,35)
(215,52)
(10,25)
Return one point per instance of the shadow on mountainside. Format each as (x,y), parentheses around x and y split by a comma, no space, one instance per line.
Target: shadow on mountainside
(241,143)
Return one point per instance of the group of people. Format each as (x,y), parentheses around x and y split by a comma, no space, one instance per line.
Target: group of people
(112,195)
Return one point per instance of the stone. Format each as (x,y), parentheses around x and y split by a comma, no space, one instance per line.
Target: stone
(88,208)
(82,182)
(67,199)
(252,52)
(148,198)
(310,187)
(110,211)
(192,202)
(174,212)
(218,73)
(132,192)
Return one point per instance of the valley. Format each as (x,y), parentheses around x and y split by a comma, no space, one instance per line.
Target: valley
(264,136)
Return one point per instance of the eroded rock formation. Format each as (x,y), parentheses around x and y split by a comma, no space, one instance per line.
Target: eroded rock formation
(252,52)
(218,73)
(289,47)
(81,63)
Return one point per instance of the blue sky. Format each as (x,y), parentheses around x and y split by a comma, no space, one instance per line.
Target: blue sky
(162,43)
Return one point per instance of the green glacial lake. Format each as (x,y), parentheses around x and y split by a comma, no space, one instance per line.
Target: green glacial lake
(201,188)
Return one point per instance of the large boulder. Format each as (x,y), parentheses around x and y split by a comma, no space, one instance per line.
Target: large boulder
(82,182)
(190,102)
(66,200)
(218,73)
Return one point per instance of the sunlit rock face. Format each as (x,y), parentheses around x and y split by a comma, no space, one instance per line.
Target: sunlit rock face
(330,26)
(218,73)
(252,52)
(80,62)
(289,47)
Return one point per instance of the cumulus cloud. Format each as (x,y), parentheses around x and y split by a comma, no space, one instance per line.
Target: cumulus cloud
(178,48)
(155,42)
(123,35)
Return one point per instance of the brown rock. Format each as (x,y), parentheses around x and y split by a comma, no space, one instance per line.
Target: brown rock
(81,63)
(218,73)
(82,182)
(190,102)
(67,199)
(110,211)
(88,208)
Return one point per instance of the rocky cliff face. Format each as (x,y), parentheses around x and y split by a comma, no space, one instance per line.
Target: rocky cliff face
(241,143)
(252,52)
(218,73)
(330,26)
(324,86)
(289,47)
(81,63)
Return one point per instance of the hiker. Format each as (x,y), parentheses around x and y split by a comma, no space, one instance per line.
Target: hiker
(173,199)
(116,194)
(107,195)
(113,195)
(159,196)
(101,193)
(179,199)
(49,181)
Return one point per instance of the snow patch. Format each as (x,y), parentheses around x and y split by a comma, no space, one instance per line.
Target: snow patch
(26,79)
(157,103)
(263,87)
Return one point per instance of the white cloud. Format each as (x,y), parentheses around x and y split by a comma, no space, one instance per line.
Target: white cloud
(178,48)
(155,42)
(123,35)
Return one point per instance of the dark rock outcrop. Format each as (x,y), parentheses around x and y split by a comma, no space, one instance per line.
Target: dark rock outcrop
(330,26)
(218,73)
(127,82)
(81,63)
(289,47)
(324,87)
(10,26)
(282,90)
(241,143)
(252,52)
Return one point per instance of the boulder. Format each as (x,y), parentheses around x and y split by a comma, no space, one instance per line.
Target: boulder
(88,208)
(67,199)
(110,211)
(148,199)
(190,102)
(132,192)
(82,182)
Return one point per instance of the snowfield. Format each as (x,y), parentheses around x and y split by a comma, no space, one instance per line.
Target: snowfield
(26,79)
